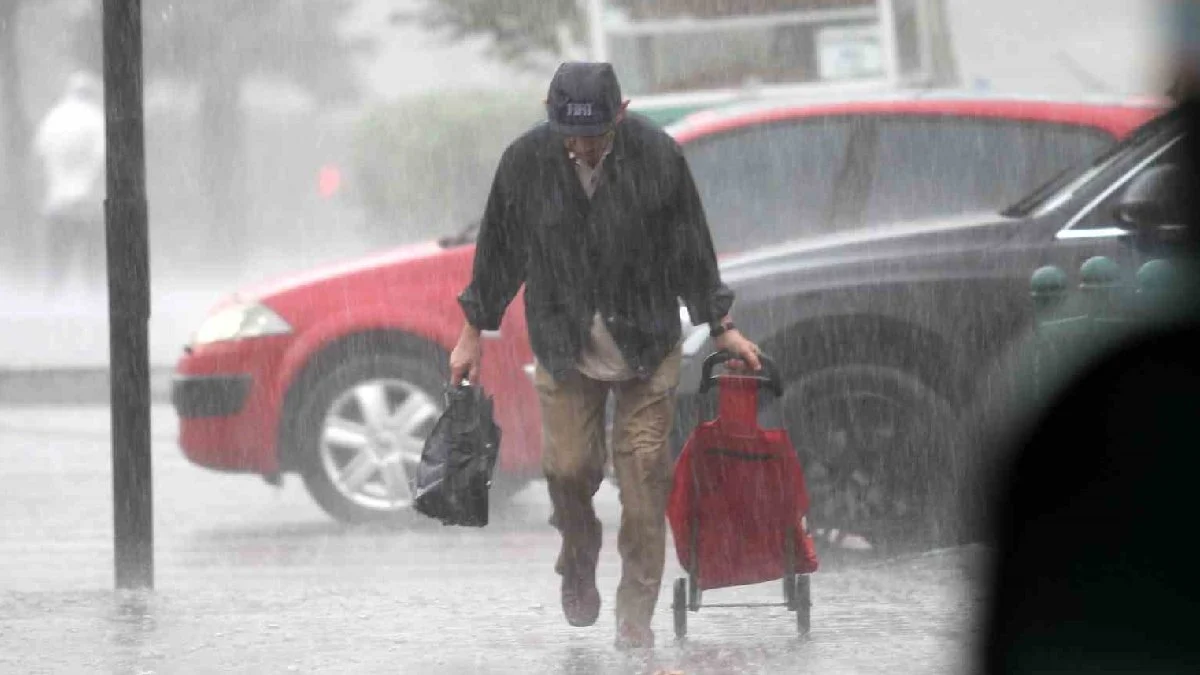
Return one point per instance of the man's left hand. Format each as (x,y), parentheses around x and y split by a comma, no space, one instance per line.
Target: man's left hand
(738,345)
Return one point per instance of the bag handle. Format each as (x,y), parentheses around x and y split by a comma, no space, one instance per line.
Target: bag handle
(769,374)
(457,390)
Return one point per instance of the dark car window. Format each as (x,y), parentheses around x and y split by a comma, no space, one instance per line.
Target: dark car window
(1103,215)
(1060,189)
(935,167)
(768,183)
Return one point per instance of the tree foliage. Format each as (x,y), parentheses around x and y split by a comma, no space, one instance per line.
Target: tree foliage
(521,31)
(14,135)
(216,45)
(424,164)
(229,40)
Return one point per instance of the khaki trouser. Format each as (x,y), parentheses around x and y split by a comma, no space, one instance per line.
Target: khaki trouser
(574,458)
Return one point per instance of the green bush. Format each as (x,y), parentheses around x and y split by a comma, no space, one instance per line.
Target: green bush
(424,165)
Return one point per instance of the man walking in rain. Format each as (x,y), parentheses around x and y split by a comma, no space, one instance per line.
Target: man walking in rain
(596,213)
(70,146)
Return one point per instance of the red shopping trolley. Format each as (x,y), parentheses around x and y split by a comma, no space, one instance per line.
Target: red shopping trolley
(737,508)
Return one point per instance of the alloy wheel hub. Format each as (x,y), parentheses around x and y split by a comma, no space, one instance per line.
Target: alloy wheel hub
(371,442)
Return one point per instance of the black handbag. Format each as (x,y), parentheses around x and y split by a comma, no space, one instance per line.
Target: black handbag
(458,460)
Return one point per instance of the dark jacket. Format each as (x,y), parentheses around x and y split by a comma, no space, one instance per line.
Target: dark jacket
(631,252)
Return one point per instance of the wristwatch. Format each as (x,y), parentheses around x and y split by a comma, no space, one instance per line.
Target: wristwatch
(720,329)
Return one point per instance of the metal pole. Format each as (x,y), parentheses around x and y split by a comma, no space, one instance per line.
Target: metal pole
(128,294)
(889,41)
(595,12)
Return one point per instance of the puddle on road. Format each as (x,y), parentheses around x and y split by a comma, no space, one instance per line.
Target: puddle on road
(911,616)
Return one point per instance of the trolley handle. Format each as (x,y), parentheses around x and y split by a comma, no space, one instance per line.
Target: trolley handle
(769,374)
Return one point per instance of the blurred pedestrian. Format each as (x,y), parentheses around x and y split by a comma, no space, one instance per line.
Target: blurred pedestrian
(70,148)
(596,213)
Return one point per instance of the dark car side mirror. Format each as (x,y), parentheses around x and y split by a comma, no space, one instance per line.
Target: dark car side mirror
(1152,206)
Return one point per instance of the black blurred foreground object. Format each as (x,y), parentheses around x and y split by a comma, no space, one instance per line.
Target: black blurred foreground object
(458,460)
(1094,525)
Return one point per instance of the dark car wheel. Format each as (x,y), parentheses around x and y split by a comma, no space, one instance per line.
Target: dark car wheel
(802,595)
(880,454)
(679,607)
(360,432)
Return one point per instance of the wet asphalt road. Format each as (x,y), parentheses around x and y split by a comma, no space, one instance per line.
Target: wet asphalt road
(258,580)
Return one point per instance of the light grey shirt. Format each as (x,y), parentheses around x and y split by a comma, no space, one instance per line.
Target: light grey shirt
(600,359)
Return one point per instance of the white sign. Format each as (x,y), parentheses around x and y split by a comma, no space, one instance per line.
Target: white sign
(850,52)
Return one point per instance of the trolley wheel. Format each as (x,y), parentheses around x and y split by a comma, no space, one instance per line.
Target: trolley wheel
(680,607)
(803,600)
(790,578)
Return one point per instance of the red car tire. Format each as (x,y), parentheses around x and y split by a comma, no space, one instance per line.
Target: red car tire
(360,429)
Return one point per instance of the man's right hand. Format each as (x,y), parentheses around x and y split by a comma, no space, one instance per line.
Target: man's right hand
(464,360)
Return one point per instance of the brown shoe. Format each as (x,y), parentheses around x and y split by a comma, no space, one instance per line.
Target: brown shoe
(580,598)
(577,565)
(630,636)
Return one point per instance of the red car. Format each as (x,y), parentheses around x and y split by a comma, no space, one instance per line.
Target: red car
(338,374)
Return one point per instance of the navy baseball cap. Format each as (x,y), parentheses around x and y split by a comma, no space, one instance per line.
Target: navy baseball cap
(584,99)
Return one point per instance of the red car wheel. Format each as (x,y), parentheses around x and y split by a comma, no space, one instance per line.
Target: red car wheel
(361,430)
